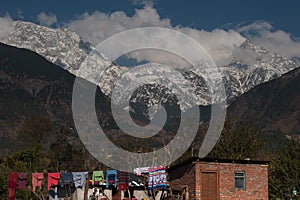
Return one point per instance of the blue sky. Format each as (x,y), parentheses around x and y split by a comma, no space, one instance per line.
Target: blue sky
(206,15)
(219,26)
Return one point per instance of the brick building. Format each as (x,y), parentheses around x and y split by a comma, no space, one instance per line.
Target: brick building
(207,179)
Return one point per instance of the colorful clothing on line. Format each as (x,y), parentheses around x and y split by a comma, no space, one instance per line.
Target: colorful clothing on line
(123,180)
(79,179)
(66,178)
(22,182)
(98,178)
(141,170)
(53,179)
(157,178)
(53,194)
(12,185)
(37,180)
(111,178)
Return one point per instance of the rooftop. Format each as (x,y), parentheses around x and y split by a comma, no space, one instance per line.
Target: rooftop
(214,160)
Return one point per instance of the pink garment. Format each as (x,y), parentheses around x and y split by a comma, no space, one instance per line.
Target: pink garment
(37,180)
(53,179)
(22,182)
(12,185)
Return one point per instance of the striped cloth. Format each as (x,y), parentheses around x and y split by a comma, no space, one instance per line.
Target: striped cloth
(123,180)
(157,178)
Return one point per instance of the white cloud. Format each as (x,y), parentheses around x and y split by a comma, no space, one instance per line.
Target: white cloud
(46,19)
(98,26)
(264,34)
(6,26)
(248,56)
(220,44)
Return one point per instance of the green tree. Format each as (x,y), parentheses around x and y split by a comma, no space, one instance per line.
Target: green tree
(33,136)
(65,154)
(24,160)
(284,171)
(42,148)
(240,141)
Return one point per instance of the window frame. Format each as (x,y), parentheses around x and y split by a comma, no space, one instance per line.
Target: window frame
(243,176)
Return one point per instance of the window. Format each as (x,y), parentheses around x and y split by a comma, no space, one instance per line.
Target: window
(240,180)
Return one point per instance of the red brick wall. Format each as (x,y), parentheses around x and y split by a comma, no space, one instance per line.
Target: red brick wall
(256,180)
(183,176)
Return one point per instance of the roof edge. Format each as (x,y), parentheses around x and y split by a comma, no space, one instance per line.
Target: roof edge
(193,160)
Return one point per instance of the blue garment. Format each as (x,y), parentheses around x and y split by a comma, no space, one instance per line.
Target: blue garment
(66,178)
(111,177)
(79,179)
(53,194)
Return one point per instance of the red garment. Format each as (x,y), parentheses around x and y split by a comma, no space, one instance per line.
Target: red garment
(37,180)
(22,182)
(123,180)
(12,185)
(53,179)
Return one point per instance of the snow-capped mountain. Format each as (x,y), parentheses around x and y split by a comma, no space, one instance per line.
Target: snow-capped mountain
(62,47)
(250,66)
(241,75)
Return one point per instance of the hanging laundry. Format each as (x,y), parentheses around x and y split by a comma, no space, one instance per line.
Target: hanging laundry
(79,179)
(98,178)
(53,194)
(123,180)
(67,183)
(157,178)
(22,182)
(161,178)
(150,180)
(66,178)
(141,170)
(37,180)
(111,178)
(12,185)
(53,179)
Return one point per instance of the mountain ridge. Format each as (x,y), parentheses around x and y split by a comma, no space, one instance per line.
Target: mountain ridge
(255,66)
(273,105)
(243,72)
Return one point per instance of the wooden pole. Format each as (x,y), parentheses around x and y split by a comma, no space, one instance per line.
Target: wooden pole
(88,177)
(90,173)
(87,184)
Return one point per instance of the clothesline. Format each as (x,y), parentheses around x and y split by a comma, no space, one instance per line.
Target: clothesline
(119,179)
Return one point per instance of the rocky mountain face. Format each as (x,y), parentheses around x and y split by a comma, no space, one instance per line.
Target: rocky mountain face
(62,47)
(274,105)
(32,86)
(249,67)
(67,50)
